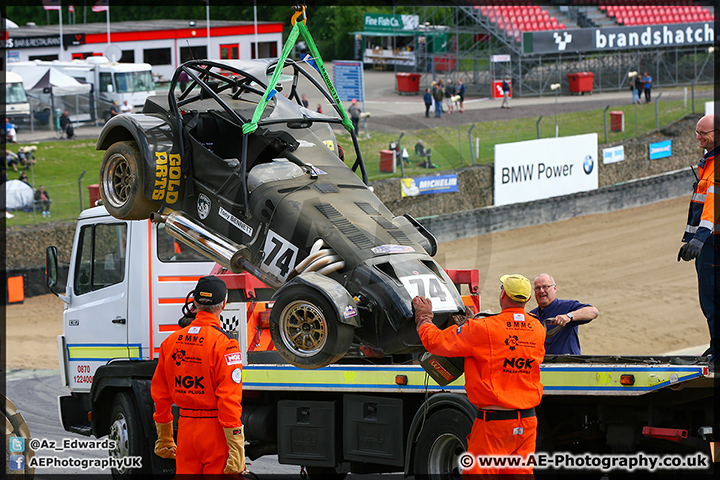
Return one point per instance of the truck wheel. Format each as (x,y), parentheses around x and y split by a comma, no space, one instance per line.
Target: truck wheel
(306,331)
(442,440)
(121,183)
(324,473)
(126,432)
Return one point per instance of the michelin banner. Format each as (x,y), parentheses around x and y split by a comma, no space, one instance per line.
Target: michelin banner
(412,187)
(550,167)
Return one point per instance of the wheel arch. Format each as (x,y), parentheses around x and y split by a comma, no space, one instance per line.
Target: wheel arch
(120,377)
(121,128)
(435,403)
(331,290)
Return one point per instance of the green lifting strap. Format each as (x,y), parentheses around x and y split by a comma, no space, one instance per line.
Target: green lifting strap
(298,29)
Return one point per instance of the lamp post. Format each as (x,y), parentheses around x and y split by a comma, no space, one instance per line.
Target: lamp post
(556,88)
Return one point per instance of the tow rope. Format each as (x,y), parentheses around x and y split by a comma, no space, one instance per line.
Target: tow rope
(298,29)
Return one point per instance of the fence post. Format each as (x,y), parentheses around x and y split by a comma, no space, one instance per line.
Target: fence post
(80,189)
(537,126)
(657,114)
(472,153)
(605,121)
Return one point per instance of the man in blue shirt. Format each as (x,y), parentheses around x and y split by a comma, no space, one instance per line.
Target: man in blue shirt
(560,317)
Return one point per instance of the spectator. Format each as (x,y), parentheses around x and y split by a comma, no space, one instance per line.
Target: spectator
(125,108)
(66,125)
(563,315)
(10,131)
(24,178)
(305,102)
(638,87)
(700,239)
(506,92)
(26,156)
(427,98)
(42,200)
(504,391)
(449,93)
(354,112)
(183,79)
(114,110)
(461,94)
(319,108)
(11,159)
(647,86)
(438,96)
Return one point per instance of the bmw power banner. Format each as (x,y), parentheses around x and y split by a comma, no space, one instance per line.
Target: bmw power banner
(619,38)
(549,167)
(412,187)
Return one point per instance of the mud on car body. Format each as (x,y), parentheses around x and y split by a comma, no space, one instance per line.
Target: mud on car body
(278,202)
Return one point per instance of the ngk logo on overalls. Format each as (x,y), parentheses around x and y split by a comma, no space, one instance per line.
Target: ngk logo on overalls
(189,384)
(233,358)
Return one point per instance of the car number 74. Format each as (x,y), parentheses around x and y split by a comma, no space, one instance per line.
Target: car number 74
(430,286)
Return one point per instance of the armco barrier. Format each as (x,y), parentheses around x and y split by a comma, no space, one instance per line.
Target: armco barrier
(636,193)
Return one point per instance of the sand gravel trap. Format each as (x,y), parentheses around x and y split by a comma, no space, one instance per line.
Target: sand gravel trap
(623,262)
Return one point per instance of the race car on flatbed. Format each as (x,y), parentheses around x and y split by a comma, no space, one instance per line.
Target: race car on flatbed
(278,201)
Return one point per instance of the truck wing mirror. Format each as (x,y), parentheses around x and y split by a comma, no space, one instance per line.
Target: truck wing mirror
(51,272)
(110,89)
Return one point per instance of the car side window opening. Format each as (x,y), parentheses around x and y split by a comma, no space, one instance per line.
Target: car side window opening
(101,257)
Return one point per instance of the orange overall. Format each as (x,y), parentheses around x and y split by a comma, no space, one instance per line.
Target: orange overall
(200,371)
(502,369)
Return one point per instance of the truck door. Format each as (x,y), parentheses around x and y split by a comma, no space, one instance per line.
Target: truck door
(95,322)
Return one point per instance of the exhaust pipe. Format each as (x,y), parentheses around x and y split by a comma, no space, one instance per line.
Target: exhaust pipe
(214,246)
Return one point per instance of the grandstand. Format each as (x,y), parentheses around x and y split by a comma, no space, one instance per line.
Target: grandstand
(542,43)
(515,18)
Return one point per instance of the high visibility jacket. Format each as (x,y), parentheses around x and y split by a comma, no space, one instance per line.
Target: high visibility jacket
(200,368)
(502,357)
(701,214)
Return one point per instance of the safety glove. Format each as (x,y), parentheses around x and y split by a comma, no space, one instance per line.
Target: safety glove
(690,250)
(165,445)
(235,437)
(423,311)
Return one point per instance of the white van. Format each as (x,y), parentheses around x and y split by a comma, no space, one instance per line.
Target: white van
(17,108)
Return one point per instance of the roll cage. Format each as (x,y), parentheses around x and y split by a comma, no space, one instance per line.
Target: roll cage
(247,80)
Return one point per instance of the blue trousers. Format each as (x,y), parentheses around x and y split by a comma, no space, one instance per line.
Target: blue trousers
(438,108)
(707,266)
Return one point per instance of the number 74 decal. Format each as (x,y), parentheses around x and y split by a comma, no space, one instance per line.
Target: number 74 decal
(430,286)
(280,255)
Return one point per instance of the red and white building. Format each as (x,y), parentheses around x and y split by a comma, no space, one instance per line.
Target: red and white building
(164,44)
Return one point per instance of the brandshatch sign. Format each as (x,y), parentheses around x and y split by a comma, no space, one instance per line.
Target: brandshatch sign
(619,38)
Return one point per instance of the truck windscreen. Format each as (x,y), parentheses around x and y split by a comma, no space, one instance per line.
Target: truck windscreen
(15,93)
(128,82)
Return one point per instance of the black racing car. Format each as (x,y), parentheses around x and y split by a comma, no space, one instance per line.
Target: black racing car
(279,202)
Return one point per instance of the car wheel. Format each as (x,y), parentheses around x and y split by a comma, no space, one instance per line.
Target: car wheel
(305,329)
(442,440)
(121,183)
(126,432)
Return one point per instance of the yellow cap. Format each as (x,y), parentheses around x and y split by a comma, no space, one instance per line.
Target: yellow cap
(517,287)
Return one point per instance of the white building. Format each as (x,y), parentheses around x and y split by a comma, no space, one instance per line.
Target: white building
(164,44)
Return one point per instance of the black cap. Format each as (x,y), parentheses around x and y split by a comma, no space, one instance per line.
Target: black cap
(210,290)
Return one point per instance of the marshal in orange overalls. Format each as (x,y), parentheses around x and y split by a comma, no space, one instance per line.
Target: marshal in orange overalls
(502,368)
(200,371)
